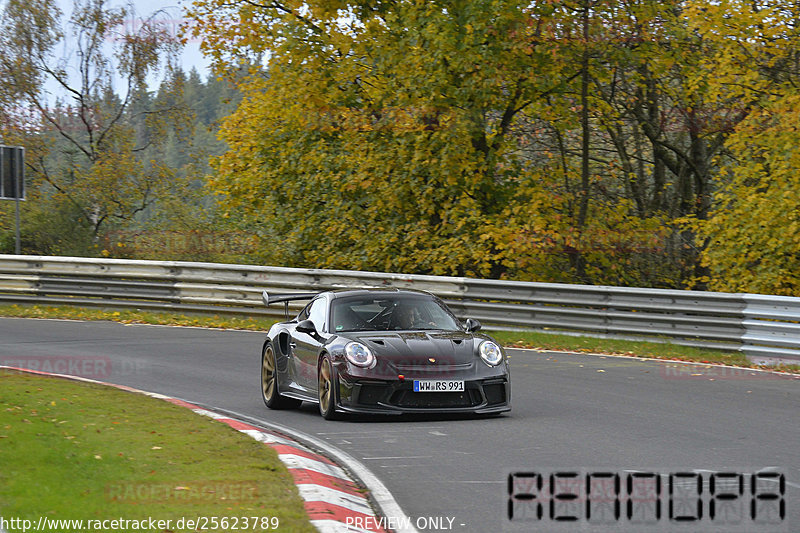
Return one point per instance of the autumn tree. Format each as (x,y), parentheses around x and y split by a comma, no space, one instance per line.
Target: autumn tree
(638,136)
(601,231)
(99,142)
(483,138)
(752,231)
(560,141)
(380,137)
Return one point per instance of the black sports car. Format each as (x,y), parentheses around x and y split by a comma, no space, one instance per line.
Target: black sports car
(381,351)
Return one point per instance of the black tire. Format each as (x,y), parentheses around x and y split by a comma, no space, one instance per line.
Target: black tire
(327,386)
(269,383)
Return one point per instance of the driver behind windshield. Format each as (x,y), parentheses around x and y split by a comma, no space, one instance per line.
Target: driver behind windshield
(405,317)
(382,314)
(409,316)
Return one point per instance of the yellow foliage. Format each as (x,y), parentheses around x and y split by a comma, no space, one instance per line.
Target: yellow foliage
(751,235)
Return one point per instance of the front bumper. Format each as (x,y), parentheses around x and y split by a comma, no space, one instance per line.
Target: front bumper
(482,396)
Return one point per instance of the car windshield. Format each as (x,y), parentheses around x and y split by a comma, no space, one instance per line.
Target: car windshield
(390,313)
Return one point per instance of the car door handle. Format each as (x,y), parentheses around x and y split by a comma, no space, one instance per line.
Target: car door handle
(292,345)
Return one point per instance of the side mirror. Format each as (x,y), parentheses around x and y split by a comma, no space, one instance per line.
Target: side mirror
(472,325)
(306,326)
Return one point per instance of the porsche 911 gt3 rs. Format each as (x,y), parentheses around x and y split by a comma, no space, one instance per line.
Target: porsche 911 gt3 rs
(389,351)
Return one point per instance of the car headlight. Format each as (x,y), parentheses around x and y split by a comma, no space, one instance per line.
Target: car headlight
(490,353)
(359,355)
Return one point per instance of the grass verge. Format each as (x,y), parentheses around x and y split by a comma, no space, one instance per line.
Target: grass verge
(543,341)
(80,451)
(655,350)
(136,316)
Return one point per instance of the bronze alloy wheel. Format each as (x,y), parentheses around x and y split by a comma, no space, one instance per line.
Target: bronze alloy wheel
(327,389)
(268,376)
(269,383)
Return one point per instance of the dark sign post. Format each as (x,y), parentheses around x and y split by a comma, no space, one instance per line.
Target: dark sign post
(12,179)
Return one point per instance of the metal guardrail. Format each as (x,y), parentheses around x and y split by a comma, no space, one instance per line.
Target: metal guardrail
(763,327)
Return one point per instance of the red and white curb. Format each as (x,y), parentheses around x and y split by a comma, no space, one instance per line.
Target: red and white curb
(333,500)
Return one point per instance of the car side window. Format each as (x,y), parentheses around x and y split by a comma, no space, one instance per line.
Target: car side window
(316,313)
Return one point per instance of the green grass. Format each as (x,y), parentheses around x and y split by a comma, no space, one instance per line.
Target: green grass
(136,316)
(73,450)
(656,350)
(544,341)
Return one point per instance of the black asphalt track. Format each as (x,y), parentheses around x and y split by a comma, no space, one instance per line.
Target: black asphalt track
(580,414)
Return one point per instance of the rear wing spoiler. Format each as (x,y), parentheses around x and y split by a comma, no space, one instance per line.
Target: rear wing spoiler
(286,298)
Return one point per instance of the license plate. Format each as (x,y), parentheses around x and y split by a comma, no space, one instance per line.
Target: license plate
(438,385)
